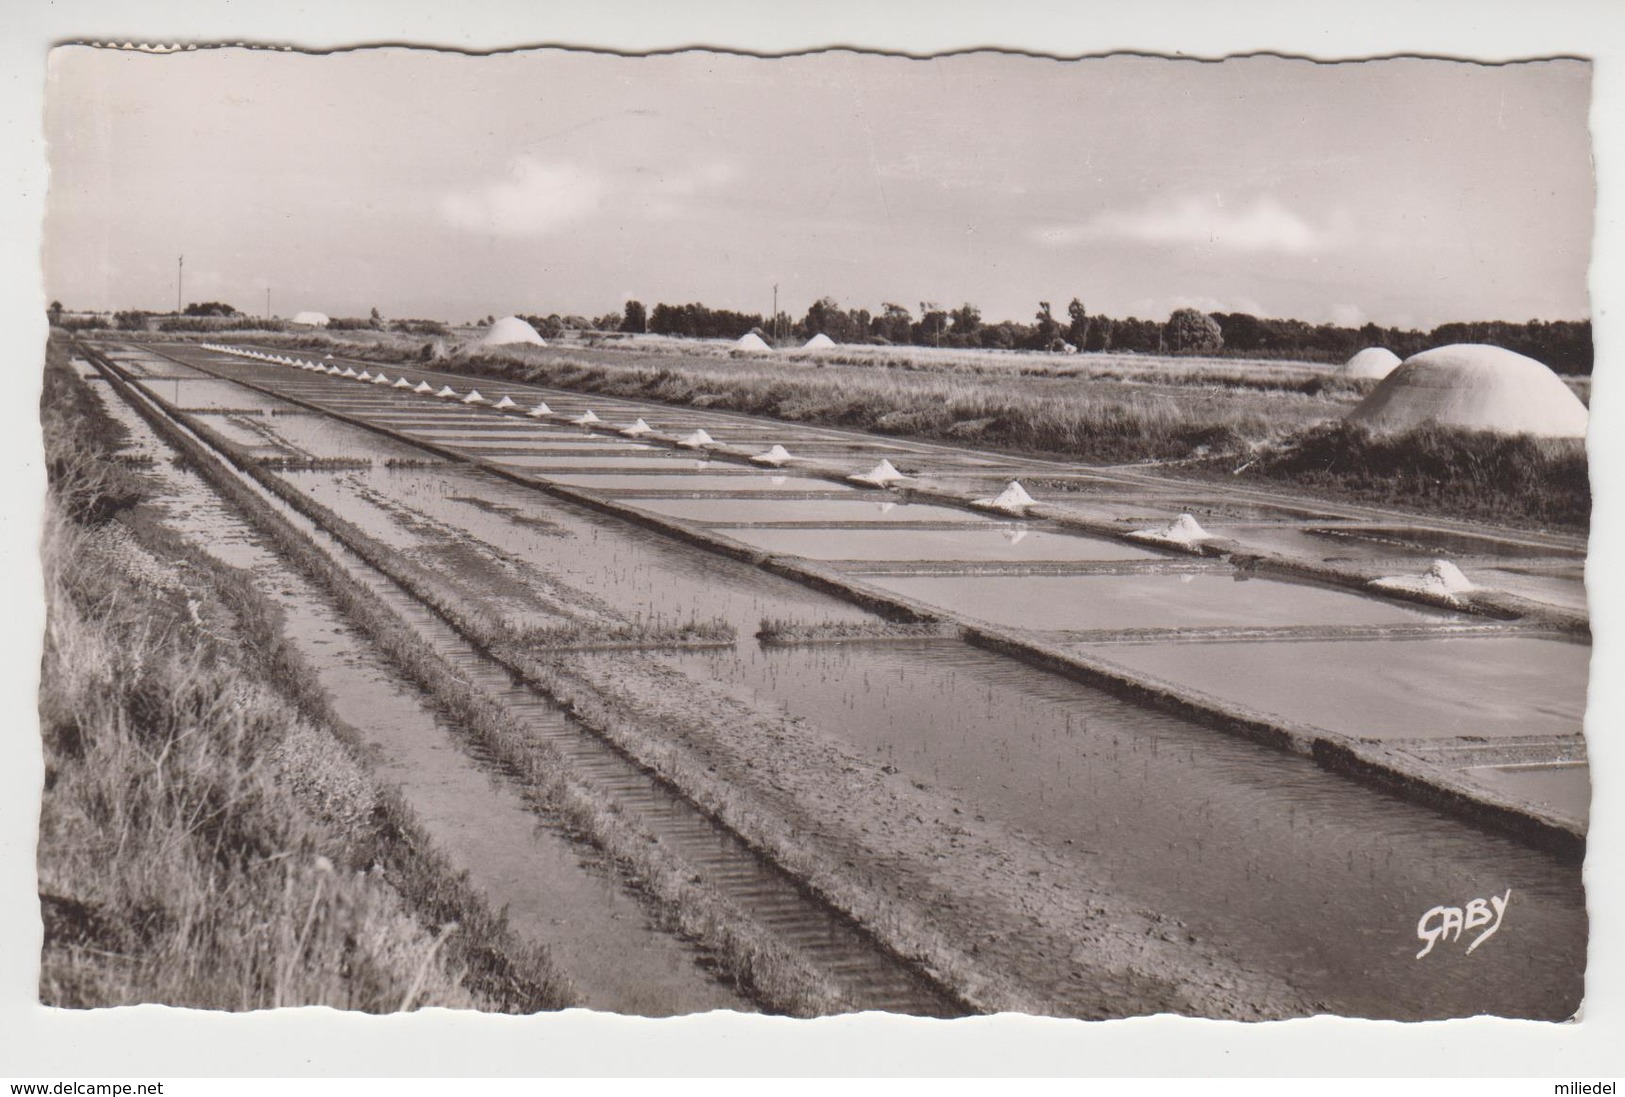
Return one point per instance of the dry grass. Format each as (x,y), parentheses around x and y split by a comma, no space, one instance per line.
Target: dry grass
(174,864)
(1092,420)
(778,630)
(206,840)
(581,636)
(1516,480)
(304,463)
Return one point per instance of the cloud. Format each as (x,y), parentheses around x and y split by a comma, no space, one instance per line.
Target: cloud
(1264,225)
(669,196)
(536,198)
(1347,316)
(532,199)
(1152,307)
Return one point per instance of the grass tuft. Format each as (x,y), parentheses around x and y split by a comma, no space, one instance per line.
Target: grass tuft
(778,630)
(1512,479)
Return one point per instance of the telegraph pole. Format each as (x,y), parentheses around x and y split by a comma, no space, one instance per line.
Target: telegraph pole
(775,311)
(267,302)
(180,272)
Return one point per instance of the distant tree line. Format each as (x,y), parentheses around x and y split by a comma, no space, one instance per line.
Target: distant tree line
(210,308)
(698,322)
(553,326)
(1564,345)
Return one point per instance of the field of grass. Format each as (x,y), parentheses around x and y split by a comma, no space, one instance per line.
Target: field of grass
(208,837)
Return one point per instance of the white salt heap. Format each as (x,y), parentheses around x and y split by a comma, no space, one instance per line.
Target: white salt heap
(1370,364)
(1184,531)
(1013,498)
(1475,387)
(1442,579)
(506,332)
(879,476)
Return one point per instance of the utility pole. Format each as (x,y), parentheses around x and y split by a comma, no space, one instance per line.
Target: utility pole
(180,271)
(267,302)
(775,311)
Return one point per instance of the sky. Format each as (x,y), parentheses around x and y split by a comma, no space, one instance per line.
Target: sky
(1404,192)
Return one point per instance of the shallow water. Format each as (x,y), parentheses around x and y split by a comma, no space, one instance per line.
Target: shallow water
(743,480)
(876,508)
(206,392)
(1257,852)
(639,574)
(1558,586)
(320,436)
(541,456)
(1434,542)
(1017,543)
(1188,600)
(1149,511)
(474,435)
(142,364)
(677,462)
(1565,788)
(240,430)
(1491,686)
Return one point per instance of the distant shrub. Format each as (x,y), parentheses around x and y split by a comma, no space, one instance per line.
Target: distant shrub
(1191,331)
(82,323)
(206,324)
(419,327)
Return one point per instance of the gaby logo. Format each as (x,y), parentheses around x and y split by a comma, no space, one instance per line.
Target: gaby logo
(1449,923)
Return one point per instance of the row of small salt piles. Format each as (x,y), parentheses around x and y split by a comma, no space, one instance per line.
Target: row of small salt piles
(1443,580)
(1013,499)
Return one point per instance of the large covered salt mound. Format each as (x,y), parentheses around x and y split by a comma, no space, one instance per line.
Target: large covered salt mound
(506,332)
(818,342)
(751,341)
(311,319)
(1475,387)
(1370,364)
